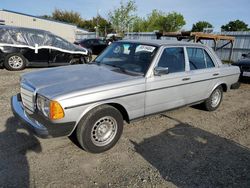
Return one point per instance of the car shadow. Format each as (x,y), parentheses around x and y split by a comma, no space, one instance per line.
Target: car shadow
(14,145)
(245,80)
(191,157)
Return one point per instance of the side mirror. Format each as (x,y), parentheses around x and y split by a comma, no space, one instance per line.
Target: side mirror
(158,71)
(244,55)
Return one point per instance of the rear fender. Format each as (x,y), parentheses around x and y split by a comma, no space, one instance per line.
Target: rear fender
(218,84)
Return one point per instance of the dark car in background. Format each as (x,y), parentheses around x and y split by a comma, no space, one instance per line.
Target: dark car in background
(21,47)
(95,45)
(244,65)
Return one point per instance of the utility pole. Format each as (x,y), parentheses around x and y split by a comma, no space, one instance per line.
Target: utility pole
(97,23)
(105,30)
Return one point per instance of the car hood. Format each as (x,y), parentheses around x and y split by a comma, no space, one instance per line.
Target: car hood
(54,82)
(245,61)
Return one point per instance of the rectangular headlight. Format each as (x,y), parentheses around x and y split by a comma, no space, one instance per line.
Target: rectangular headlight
(50,109)
(43,105)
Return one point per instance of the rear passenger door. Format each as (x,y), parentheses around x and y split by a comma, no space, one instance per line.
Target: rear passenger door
(59,58)
(167,91)
(202,73)
(37,59)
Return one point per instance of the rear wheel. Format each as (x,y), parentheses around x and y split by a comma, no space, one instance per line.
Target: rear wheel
(100,129)
(14,62)
(213,102)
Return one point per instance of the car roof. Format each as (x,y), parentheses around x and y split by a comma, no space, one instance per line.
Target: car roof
(91,39)
(23,29)
(158,43)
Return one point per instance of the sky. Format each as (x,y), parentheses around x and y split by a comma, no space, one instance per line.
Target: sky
(217,12)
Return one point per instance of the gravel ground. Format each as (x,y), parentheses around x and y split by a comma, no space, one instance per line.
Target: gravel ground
(186,147)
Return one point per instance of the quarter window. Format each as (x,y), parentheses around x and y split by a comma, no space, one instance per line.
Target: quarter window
(173,59)
(199,59)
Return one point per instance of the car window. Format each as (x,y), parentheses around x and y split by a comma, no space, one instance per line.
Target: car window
(196,58)
(101,42)
(86,42)
(173,59)
(209,61)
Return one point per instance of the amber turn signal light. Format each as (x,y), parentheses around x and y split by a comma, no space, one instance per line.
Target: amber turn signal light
(56,110)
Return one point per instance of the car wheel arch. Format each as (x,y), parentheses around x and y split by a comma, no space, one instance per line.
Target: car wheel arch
(8,55)
(116,105)
(224,87)
(222,84)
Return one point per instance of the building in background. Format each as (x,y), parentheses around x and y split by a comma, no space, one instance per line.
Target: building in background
(62,29)
(81,34)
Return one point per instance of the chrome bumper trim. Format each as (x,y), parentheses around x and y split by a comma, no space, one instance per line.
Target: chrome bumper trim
(32,124)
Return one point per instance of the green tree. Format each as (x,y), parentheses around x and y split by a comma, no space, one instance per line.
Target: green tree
(122,17)
(139,24)
(102,24)
(46,16)
(67,16)
(199,26)
(159,20)
(173,22)
(155,20)
(88,25)
(236,25)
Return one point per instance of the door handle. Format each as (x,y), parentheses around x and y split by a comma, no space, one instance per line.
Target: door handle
(185,79)
(216,74)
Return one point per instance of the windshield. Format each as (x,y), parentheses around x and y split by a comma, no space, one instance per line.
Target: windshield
(129,57)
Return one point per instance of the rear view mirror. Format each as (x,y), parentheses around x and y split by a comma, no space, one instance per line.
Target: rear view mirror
(158,71)
(244,55)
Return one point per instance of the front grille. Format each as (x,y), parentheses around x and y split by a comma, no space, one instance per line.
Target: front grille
(27,95)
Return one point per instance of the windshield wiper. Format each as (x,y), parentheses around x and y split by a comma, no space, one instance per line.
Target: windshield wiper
(123,70)
(126,71)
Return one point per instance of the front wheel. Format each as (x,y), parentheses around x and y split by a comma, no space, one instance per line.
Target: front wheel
(14,62)
(213,102)
(100,129)
(88,58)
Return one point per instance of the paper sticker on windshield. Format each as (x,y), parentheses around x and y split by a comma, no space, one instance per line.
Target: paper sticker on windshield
(146,48)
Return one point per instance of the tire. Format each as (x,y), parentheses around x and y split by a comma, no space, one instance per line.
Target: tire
(100,129)
(213,102)
(88,59)
(235,85)
(14,62)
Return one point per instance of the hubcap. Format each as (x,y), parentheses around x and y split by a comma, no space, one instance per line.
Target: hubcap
(15,62)
(104,131)
(216,97)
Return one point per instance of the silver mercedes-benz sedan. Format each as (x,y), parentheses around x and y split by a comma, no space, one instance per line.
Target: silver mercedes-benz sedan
(129,80)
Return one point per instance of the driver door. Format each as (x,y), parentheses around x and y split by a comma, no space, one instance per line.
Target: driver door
(167,91)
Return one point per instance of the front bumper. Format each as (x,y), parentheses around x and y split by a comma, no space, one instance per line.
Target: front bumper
(39,125)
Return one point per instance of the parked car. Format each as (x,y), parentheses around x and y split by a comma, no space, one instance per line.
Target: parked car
(129,80)
(112,37)
(95,45)
(22,47)
(244,65)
